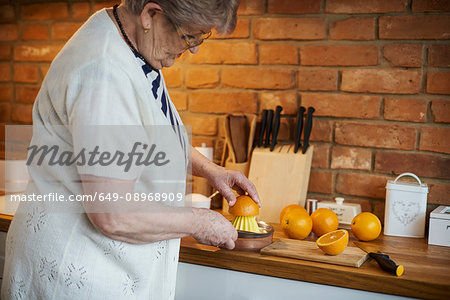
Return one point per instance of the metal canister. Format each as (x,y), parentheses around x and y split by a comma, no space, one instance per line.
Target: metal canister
(311,205)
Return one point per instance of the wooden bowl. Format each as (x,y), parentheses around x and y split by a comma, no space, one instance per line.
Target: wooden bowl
(250,241)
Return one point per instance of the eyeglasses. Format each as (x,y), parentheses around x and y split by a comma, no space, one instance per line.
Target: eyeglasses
(192,40)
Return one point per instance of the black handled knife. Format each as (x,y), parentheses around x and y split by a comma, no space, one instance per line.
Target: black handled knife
(262,128)
(268,127)
(276,127)
(308,128)
(299,128)
(383,260)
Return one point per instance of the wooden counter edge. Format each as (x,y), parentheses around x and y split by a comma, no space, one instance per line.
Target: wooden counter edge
(5,221)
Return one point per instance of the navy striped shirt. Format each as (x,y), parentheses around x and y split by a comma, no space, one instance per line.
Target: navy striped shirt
(160,95)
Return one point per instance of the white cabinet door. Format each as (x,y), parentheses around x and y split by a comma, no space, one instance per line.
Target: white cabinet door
(199,282)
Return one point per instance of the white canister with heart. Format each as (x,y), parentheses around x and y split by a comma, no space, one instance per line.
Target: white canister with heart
(405,209)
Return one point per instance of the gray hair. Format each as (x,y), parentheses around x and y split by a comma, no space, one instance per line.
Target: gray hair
(218,14)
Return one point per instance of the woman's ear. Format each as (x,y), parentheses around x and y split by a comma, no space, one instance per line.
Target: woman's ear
(147,13)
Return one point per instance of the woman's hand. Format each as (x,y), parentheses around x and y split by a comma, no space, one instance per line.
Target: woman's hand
(225,180)
(213,229)
(222,179)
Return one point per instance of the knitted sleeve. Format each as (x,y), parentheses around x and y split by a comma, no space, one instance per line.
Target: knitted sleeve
(104,116)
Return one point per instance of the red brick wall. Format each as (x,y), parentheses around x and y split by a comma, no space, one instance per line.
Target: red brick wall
(377,72)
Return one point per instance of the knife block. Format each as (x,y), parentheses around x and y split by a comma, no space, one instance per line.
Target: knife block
(281,178)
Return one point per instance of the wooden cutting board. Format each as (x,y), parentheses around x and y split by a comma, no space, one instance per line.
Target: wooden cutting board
(306,250)
(281,178)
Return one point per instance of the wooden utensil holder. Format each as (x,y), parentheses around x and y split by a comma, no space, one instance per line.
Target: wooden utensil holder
(229,159)
(281,178)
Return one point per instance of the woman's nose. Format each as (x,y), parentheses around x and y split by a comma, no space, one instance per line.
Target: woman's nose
(194,50)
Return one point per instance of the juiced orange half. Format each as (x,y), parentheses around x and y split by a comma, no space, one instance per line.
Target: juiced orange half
(333,242)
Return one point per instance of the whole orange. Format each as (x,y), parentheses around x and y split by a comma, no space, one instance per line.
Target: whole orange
(296,225)
(292,207)
(366,226)
(324,221)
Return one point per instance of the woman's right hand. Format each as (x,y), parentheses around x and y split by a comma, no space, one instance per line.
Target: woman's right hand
(211,228)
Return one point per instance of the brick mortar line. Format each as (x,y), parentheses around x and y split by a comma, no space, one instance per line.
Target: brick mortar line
(250,25)
(294,42)
(389,150)
(337,92)
(334,181)
(413,151)
(226,66)
(345,15)
(341,42)
(416,125)
(422,96)
(424,69)
(339,80)
(372,159)
(379,174)
(225,89)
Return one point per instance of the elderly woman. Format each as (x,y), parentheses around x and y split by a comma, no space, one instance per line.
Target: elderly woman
(109,74)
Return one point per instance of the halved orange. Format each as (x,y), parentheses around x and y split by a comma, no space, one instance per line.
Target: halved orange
(333,242)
